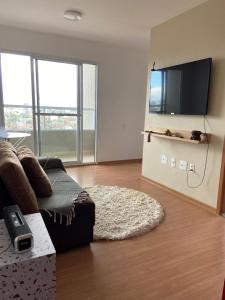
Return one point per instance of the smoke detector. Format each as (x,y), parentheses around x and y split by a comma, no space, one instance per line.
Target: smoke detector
(72,15)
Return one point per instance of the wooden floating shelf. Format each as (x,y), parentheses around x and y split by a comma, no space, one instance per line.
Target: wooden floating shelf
(186,136)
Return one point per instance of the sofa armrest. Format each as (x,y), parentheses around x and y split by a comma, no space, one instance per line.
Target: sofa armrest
(86,210)
(51,163)
(78,233)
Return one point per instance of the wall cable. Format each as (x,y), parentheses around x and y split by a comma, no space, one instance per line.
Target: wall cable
(206,160)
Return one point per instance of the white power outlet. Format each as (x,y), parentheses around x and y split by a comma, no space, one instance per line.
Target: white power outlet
(183,165)
(192,168)
(173,162)
(164,159)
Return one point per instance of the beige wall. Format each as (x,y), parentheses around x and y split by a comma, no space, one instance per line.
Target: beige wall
(196,34)
(121,90)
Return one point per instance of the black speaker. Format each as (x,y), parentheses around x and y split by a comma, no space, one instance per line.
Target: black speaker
(19,231)
(196,135)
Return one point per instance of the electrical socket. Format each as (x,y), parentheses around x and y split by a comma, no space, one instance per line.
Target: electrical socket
(192,168)
(173,162)
(164,159)
(183,165)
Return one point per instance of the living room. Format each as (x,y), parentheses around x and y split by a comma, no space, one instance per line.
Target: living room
(168,241)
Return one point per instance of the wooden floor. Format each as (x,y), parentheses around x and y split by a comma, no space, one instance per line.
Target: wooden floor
(182,259)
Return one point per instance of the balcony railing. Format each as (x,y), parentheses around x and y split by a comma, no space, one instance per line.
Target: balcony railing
(20,117)
(58,133)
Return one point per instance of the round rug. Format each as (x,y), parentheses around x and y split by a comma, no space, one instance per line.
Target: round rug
(121,213)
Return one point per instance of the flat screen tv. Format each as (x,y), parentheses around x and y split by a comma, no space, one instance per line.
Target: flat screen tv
(181,89)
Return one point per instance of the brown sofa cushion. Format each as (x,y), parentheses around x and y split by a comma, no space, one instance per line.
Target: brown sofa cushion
(36,175)
(15,180)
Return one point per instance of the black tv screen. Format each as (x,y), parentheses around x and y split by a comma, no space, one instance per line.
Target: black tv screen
(181,89)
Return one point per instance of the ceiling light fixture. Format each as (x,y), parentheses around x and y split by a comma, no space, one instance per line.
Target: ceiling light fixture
(73,15)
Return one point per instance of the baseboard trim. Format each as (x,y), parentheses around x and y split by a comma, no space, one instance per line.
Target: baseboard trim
(111,162)
(116,162)
(182,196)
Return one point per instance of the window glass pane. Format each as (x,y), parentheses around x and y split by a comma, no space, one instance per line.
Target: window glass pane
(58,122)
(57,87)
(18,118)
(89,103)
(16,79)
(59,137)
(17,95)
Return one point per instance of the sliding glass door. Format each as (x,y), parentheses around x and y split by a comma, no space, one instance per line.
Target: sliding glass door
(54,101)
(58,109)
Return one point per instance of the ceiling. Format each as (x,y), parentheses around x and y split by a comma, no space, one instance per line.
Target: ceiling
(124,22)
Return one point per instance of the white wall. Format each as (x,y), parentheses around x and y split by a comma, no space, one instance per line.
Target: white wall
(121,91)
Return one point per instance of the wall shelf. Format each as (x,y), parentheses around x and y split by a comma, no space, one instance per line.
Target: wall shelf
(181,135)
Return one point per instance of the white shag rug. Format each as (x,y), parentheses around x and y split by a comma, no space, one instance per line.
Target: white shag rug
(121,213)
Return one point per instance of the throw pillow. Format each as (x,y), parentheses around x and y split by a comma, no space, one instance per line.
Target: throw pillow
(36,175)
(15,180)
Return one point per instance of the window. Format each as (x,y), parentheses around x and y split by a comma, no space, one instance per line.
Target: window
(57,110)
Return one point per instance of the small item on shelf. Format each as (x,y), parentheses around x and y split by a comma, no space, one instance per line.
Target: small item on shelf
(168,133)
(155,132)
(178,134)
(196,135)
